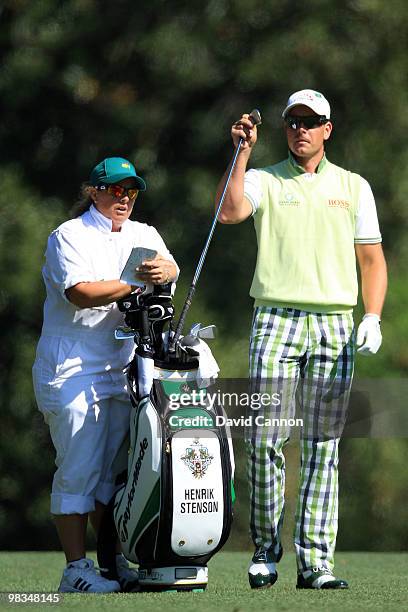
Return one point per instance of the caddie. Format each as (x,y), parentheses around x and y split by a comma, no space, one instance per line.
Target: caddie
(78,375)
(312,220)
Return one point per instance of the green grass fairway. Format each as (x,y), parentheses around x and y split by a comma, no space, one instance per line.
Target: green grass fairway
(378,582)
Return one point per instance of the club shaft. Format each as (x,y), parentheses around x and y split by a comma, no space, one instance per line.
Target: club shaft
(214,223)
(180,324)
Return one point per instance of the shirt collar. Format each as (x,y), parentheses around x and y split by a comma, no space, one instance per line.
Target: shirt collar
(300,170)
(101,222)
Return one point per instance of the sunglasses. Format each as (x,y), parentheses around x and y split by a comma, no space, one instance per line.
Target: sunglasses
(309,122)
(118,191)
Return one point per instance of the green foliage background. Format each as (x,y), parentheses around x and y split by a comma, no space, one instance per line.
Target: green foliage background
(160,82)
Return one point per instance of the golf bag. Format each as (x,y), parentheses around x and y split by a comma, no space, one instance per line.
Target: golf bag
(174,511)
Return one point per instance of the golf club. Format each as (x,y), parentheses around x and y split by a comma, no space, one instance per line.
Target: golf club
(255,117)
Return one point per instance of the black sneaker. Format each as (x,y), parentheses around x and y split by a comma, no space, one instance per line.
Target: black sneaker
(128,577)
(262,570)
(320,578)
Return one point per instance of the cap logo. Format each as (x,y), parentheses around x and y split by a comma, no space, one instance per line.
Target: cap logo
(125,165)
(308,96)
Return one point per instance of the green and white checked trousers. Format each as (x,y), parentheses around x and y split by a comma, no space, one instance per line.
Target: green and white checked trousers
(307,359)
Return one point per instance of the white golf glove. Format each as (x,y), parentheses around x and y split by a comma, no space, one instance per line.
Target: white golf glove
(369,336)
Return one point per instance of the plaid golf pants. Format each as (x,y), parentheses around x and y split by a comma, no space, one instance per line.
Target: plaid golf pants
(306,360)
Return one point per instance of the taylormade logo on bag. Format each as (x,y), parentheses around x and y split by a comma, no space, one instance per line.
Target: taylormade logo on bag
(123,520)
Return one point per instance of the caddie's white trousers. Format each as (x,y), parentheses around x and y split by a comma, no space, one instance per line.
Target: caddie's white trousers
(88,416)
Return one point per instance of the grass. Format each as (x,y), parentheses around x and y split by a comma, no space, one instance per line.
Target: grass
(378,582)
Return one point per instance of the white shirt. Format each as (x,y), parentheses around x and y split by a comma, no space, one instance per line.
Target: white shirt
(85,250)
(367,228)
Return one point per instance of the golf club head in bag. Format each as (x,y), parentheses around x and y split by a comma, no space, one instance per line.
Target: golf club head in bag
(146,316)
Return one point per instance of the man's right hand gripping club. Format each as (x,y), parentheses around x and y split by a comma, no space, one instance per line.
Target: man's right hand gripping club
(244,128)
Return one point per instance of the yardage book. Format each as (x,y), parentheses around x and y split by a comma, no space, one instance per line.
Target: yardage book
(136,258)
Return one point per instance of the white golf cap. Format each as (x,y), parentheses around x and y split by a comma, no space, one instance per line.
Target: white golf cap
(308,97)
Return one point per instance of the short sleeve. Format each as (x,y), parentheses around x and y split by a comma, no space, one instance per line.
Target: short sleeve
(66,262)
(253,189)
(367,228)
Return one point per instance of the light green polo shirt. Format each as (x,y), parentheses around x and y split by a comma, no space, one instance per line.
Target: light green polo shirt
(305,227)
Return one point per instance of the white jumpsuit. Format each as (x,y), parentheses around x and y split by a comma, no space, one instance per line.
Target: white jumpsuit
(78,371)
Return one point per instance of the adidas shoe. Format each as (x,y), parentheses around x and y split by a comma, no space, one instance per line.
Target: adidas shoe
(81,577)
(128,577)
(262,570)
(320,578)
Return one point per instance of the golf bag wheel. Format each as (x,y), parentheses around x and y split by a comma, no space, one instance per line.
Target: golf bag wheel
(182,578)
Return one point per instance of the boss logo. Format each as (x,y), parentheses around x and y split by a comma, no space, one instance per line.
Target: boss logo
(334,203)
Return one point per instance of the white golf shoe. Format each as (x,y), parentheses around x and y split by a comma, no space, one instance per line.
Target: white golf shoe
(81,577)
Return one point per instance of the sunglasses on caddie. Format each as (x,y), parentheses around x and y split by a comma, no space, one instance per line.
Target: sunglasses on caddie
(309,122)
(118,191)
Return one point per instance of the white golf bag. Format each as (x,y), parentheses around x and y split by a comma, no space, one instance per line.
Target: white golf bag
(174,512)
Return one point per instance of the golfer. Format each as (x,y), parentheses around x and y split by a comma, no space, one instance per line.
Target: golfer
(78,371)
(312,218)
